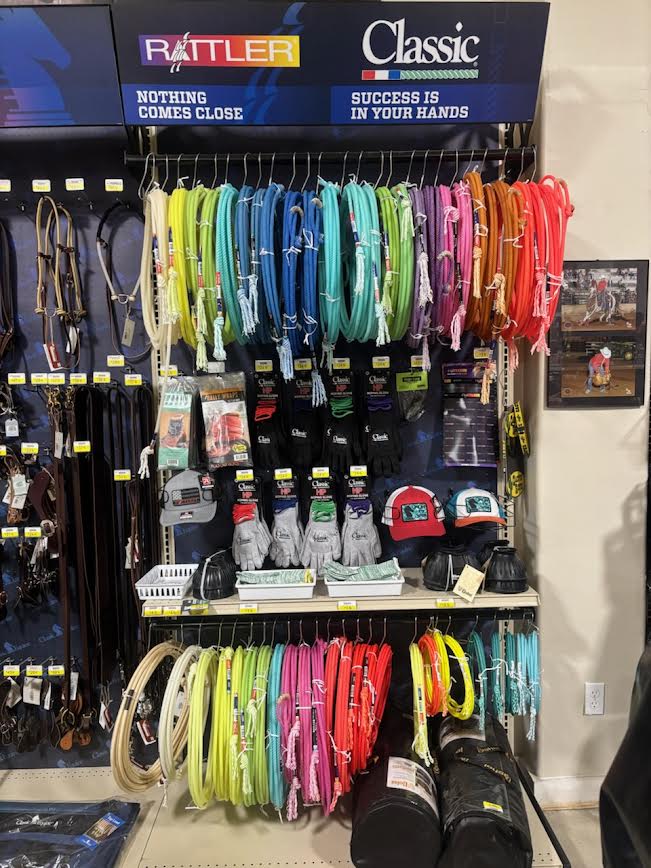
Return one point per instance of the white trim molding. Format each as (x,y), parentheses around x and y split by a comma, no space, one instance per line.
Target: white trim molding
(567,792)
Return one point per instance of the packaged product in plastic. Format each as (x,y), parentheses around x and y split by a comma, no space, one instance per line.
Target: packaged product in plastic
(223,400)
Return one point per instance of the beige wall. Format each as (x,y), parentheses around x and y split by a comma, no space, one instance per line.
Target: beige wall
(585,509)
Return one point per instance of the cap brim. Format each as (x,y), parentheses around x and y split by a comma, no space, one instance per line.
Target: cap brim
(479,519)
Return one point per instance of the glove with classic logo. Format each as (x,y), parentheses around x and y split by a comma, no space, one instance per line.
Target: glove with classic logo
(304,440)
(286,537)
(322,542)
(341,444)
(251,537)
(360,541)
(268,435)
(383,445)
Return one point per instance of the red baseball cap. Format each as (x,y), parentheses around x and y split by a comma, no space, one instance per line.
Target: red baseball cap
(412,511)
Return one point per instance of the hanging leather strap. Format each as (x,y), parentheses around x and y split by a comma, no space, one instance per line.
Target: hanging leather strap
(6,295)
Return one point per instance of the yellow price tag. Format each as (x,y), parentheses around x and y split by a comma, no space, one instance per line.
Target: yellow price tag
(153,612)
(81,446)
(171,611)
(101,377)
(33,533)
(302,364)
(3,450)
(115,361)
(171,371)
(16,379)
(283,473)
(56,379)
(75,185)
(358,471)
(29,448)
(341,364)
(249,609)
(5,185)
(492,806)
(40,379)
(9,533)
(133,379)
(445,604)
(320,472)
(122,475)
(381,362)
(11,671)
(244,475)
(34,671)
(113,185)
(78,379)
(483,353)
(41,185)
(56,671)
(417,361)
(264,366)
(347,605)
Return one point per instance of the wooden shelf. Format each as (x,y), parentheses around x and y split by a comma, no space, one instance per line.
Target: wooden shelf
(414,598)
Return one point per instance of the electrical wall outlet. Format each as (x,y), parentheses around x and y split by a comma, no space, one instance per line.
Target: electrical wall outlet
(594,697)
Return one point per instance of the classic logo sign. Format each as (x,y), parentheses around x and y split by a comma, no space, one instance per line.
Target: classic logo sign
(186,49)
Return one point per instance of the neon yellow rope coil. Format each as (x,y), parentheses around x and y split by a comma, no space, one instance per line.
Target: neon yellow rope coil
(464,710)
(203,688)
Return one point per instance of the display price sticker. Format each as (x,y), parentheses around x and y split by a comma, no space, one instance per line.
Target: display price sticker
(33,671)
(11,671)
(9,533)
(56,379)
(244,475)
(79,447)
(3,450)
(283,473)
(153,612)
(101,377)
(41,379)
(114,185)
(41,185)
(468,583)
(5,185)
(170,371)
(17,378)
(33,533)
(347,605)
(381,362)
(133,379)
(122,475)
(75,185)
(115,361)
(248,609)
(480,353)
(78,379)
(417,361)
(358,471)
(263,366)
(445,604)
(341,364)
(302,364)
(171,611)
(57,670)
(29,448)
(320,472)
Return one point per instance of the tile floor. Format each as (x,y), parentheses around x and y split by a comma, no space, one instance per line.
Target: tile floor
(579,834)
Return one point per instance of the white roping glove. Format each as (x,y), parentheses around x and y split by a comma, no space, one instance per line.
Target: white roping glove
(251,540)
(321,544)
(360,540)
(286,538)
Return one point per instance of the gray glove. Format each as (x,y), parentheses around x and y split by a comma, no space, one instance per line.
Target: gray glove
(286,538)
(321,544)
(359,538)
(251,541)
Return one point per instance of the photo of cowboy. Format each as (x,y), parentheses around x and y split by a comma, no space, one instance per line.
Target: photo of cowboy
(599,370)
(599,299)
(593,368)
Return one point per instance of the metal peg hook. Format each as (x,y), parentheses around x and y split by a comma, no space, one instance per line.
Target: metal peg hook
(228,163)
(422,177)
(379,177)
(413,638)
(271,170)
(194,174)
(309,171)
(318,169)
(388,183)
(456,168)
(472,155)
(289,186)
(214,179)
(141,195)
(343,170)
(483,162)
(411,162)
(179,182)
(503,169)
(246,171)
(257,186)
(167,171)
(359,163)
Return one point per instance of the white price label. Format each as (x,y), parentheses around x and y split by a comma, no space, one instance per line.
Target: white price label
(5,185)
(78,379)
(115,361)
(75,185)
(39,379)
(133,379)
(248,609)
(16,378)
(244,475)
(101,377)
(29,448)
(264,366)
(347,606)
(41,185)
(122,475)
(56,379)
(114,185)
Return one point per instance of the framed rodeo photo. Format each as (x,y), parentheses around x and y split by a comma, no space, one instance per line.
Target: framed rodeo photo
(598,338)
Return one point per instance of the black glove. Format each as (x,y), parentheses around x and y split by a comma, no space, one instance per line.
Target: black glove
(304,439)
(341,445)
(383,445)
(268,438)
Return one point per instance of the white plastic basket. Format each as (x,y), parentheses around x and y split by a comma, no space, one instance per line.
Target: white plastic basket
(166,582)
(292,591)
(353,590)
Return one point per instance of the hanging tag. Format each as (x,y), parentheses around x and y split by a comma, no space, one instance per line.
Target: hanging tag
(12,428)
(105,718)
(244,475)
(32,691)
(320,472)
(14,695)
(74,683)
(73,339)
(33,533)
(3,450)
(29,448)
(9,533)
(133,379)
(34,671)
(468,583)
(52,356)
(115,361)
(178,705)
(19,481)
(56,670)
(81,446)
(128,331)
(146,732)
(11,670)
(58,444)
(122,475)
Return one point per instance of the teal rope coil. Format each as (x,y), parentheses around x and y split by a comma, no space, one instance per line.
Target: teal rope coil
(477,657)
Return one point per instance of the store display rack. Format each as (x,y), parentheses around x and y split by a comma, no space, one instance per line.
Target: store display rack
(222,836)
